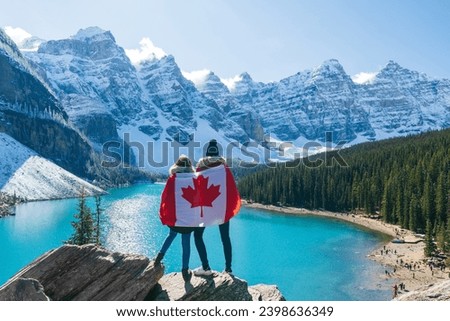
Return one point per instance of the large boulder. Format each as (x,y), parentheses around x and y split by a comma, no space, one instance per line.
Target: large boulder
(23,290)
(263,292)
(90,272)
(217,287)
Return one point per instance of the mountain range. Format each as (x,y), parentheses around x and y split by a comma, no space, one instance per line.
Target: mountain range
(33,128)
(101,91)
(86,90)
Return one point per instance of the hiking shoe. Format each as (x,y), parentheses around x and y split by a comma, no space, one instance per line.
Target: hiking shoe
(187,274)
(200,271)
(159,258)
(228,270)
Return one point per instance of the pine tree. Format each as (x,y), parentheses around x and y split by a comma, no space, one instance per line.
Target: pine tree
(441,238)
(430,247)
(387,203)
(441,198)
(413,213)
(428,201)
(97,218)
(447,238)
(83,225)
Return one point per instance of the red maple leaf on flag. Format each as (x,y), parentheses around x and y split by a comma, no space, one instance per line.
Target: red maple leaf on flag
(201,195)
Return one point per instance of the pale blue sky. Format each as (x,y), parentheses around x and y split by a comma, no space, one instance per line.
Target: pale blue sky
(269,39)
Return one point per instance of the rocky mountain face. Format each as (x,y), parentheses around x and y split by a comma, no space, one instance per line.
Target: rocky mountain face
(34,118)
(100,89)
(31,114)
(94,81)
(106,96)
(234,107)
(182,105)
(325,99)
(91,273)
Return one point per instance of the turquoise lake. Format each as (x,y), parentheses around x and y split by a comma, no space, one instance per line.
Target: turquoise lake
(309,258)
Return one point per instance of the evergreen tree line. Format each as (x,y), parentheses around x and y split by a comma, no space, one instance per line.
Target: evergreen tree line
(406,180)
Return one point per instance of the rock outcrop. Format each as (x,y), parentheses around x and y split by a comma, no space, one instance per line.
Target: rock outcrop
(433,292)
(91,273)
(23,290)
(263,292)
(218,287)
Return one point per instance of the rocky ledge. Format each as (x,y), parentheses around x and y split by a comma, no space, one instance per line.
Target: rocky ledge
(92,273)
(432,292)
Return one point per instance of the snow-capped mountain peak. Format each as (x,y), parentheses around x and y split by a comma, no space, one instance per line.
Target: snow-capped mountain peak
(330,68)
(245,77)
(393,71)
(392,65)
(145,92)
(207,82)
(91,32)
(95,81)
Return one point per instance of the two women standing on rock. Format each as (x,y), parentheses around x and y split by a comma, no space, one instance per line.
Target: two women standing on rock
(192,201)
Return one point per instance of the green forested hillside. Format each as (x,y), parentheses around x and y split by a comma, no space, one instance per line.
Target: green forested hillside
(406,179)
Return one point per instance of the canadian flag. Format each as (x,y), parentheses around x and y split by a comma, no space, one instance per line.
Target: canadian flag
(205,198)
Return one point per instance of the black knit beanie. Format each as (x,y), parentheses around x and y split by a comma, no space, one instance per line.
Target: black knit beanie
(212,149)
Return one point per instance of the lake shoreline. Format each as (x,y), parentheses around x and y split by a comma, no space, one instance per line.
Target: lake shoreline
(404,262)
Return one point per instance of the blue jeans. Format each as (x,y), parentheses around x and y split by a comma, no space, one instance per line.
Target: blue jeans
(226,242)
(185,243)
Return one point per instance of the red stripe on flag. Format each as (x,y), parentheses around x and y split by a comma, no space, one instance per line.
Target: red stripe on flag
(233,197)
(167,209)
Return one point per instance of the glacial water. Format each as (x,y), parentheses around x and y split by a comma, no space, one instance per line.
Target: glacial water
(309,258)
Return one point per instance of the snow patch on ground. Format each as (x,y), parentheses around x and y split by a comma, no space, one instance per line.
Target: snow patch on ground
(24,173)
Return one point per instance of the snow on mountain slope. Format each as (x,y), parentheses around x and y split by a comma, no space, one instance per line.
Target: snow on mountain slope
(95,82)
(243,115)
(106,95)
(22,89)
(399,101)
(28,175)
(180,102)
(31,114)
(395,102)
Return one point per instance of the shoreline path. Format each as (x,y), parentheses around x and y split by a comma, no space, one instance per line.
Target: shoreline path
(404,262)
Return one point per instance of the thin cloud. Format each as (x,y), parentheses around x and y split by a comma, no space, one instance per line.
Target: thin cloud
(231,82)
(23,39)
(147,51)
(198,77)
(18,35)
(364,77)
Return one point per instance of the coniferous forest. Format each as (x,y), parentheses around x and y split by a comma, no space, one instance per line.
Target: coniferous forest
(406,180)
